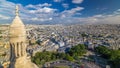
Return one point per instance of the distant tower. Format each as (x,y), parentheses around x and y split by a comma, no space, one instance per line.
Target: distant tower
(17,39)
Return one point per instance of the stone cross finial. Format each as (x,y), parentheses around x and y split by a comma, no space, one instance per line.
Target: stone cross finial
(17,10)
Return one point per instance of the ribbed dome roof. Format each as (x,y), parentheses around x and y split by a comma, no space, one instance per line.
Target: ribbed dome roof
(17,32)
(17,22)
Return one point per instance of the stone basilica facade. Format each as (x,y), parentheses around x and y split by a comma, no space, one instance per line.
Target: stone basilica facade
(17,39)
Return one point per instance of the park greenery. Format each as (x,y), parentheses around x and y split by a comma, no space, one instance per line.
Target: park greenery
(73,54)
(113,56)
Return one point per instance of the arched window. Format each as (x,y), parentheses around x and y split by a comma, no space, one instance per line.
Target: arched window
(17,49)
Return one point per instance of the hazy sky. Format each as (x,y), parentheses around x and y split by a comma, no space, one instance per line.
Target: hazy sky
(62,11)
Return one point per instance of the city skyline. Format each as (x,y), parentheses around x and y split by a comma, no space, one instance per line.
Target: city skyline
(62,11)
(46,41)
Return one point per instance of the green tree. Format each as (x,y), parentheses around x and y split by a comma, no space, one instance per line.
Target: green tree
(69,58)
(77,50)
(113,56)
(104,51)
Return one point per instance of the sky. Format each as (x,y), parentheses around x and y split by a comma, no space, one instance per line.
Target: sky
(61,11)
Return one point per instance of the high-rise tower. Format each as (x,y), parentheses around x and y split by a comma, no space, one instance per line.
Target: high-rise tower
(17,38)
